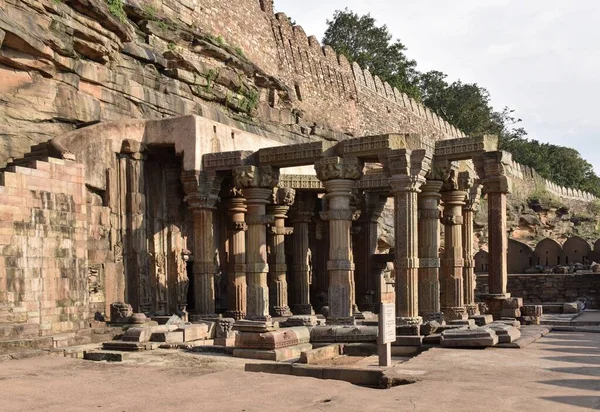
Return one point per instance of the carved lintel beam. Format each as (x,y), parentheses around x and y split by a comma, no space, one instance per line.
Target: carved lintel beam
(255,177)
(293,155)
(465,148)
(333,168)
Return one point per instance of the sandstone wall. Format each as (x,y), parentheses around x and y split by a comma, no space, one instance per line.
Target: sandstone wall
(43,249)
(551,288)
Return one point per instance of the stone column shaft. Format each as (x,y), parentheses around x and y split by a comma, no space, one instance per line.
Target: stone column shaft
(236,282)
(429,245)
(406,262)
(204,266)
(469,267)
(256,252)
(302,255)
(452,298)
(202,189)
(278,284)
(498,243)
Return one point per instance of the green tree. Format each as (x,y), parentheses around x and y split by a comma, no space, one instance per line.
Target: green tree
(371,46)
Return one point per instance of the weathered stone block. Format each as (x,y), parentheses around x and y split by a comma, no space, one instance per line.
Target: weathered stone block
(273,340)
(280,354)
(462,322)
(322,334)
(144,334)
(512,303)
(506,333)
(168,337)
(356,333)
(408,341)
(106,356)
(469,338)
(429,327)
(300,320)
(224,328)
(482,320)
(193,332)
(510,313)
(407,330)
(318,355)
(532,310)
(244,325)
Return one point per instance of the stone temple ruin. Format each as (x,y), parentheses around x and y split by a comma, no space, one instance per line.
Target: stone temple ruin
(148,213)
(247,213)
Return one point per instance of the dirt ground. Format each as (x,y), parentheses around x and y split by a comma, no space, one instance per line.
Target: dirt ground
(561,372)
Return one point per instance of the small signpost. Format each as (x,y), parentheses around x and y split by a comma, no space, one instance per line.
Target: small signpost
(387,333)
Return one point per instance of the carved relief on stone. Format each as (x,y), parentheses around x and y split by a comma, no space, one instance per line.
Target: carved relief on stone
(284,196)
(181,258)
(493,169)
(329,168)
(408,162)
(201,188)
(161,277)
(253,176)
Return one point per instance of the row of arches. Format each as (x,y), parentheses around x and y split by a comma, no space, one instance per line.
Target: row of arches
(548,253)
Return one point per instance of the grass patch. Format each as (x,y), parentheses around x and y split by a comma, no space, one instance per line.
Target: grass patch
(117,9)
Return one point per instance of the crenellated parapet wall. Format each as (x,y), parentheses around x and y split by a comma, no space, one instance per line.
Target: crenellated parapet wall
(530,181)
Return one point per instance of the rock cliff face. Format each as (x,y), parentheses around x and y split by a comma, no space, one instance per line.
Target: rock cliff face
(67,64)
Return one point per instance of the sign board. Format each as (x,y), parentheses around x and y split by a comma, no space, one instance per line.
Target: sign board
(387,323)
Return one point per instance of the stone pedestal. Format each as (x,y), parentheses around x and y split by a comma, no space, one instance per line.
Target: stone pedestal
(202,190)
(257,185)
(452,263)
(339,178)
(236,276)
(278,285)
(429,245)
(302,255)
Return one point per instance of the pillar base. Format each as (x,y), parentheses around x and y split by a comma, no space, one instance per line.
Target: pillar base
(255,318)
(303,309)
(434,316)
(472,310)
(203,316)
(494,303)
(281,311)
(341,321)
(455,313)
(235,314)
(409,320)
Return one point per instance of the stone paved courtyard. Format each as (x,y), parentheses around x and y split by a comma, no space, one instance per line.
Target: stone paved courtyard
(560,372)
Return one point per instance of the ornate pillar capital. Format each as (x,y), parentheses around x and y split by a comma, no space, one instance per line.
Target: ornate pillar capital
(335,168)
(201,188)
(245,177)
(407,162)
(493,169)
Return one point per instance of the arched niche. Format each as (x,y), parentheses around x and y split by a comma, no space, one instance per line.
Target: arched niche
(481,261)
(520,256)
(548,253)
(576,250)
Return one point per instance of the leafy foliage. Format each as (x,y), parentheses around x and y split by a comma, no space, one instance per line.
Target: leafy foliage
(117,9)
(361,41)
(467,106)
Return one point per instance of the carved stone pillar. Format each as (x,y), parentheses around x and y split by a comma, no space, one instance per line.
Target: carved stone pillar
(302,254)
(236,273)
(365,246)
(278,285)
(407,169)
(257,185)
(452,263)
(492,168)
(339,177)
(202,190)
(429,245)
(473,189)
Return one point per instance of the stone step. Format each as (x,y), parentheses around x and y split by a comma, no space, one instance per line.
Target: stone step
(108,356)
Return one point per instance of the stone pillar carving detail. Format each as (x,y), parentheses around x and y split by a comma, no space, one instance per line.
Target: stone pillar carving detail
(257,185)
(452,263)
(429,245)
(492,169)
(202,193)
(339,176)
(236,273)
(278,285)
(473,190)
(302,256)
(407,169)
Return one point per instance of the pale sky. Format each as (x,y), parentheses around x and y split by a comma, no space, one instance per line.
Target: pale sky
(539,57)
